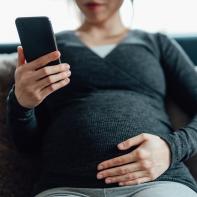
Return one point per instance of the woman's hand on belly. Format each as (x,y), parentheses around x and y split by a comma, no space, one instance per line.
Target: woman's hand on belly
(149,160)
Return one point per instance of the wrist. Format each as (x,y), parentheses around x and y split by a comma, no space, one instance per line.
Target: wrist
(15,106)
(167,151)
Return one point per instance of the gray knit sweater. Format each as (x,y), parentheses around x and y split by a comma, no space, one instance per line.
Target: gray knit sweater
(107,101)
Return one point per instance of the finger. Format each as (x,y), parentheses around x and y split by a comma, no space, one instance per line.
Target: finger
(44,60)
(136,155)
(21,57)
(50,70)
(126,177)
(53,87)
(125,169)
(117,161)
(135,182)
(52,79)
(133,141)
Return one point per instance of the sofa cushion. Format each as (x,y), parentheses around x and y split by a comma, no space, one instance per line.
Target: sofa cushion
(7,68)
(18,173)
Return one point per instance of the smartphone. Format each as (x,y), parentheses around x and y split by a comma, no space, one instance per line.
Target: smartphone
(37,37)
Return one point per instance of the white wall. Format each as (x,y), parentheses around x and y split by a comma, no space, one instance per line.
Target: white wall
(173,16)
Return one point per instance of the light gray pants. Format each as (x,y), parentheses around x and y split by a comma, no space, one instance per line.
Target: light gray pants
(151,189)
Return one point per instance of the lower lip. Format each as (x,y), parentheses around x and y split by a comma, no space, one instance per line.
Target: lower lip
(93,6)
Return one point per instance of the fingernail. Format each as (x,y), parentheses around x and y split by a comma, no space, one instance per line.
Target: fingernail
(56,53)
(99,176)
(67,65)
(121,184)
(59,54)
(121,145)
(100,167)
(108,181)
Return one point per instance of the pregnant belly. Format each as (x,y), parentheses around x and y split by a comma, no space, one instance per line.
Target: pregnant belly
(88,130)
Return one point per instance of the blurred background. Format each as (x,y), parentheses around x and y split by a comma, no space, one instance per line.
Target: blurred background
(170,16)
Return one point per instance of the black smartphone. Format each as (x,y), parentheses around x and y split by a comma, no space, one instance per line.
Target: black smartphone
(37,37)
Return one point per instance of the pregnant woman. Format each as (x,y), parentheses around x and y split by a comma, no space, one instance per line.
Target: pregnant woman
(104,130)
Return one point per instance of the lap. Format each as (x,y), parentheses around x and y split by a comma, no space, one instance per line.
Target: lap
(157,189)
(163,189)
(71,192)
(61,194)
(64,195)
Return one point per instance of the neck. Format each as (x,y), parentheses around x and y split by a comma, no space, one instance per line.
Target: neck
(110,27)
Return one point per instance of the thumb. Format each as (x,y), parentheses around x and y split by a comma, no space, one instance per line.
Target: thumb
(139,139)
(21,57)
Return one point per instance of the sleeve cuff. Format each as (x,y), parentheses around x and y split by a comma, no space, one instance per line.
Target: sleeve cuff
(14,106)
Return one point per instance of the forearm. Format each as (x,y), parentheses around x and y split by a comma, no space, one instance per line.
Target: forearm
(22,125)
(182,85)
(183,142)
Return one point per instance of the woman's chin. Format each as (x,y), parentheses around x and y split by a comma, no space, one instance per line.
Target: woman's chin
(96,20)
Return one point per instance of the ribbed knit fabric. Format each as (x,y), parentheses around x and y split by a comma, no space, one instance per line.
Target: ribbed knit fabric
(107,101)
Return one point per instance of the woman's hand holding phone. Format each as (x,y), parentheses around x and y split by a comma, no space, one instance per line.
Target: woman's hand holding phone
(34,81)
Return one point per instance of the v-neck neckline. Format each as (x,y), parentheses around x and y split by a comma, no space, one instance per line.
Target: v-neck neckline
(83,44)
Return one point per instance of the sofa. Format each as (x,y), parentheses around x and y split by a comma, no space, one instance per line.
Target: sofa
(19,172)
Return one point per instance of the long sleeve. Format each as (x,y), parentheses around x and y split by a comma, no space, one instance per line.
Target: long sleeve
(22,125)
(181,79)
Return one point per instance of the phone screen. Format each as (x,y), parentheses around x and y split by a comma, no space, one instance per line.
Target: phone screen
(37,37)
